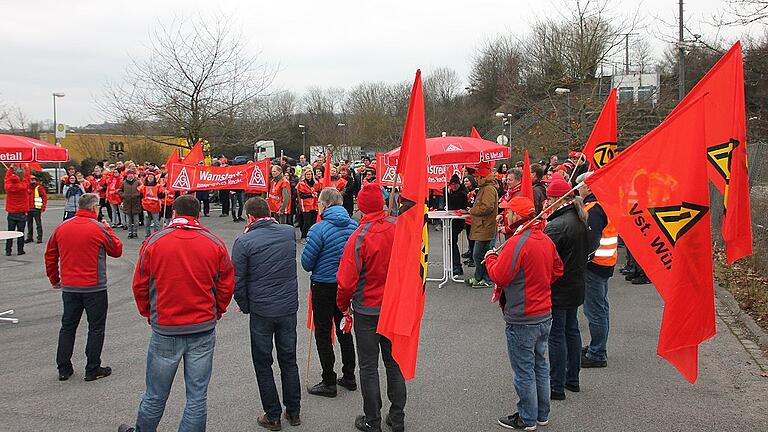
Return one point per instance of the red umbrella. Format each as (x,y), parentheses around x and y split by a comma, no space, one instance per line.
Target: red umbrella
(451,150)
(15,149)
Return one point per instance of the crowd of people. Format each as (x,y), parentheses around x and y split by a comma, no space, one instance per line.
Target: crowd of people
(541,270)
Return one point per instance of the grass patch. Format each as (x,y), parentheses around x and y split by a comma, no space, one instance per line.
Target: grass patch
(748,287)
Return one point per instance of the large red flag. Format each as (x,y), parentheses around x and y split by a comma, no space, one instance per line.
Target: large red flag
(601,145)
(404,292)
(657,195)
(526,185)
(726,147)
(195,155)
(173,158)
(474,133)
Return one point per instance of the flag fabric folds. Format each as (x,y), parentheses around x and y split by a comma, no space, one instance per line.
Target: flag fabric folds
(656,193)
(474,133)
(404,292)
(173,158)
(195,155)
(601,145)
(726,146)
(526,184)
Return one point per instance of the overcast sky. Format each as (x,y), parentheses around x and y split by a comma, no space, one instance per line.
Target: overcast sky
(77,46)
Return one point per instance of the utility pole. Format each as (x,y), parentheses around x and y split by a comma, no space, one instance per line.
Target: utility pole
(681,55)
(626,51)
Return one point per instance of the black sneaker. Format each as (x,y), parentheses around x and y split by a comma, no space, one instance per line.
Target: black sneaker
(573,388)
(466,254)
(323,389)
(588,363)
(20,253)
(101,372)
(265,422)
(125,428)
(63,376)
(362,425)
(348,383)
(515,422)
(293,419)
(393,426)
(553,395)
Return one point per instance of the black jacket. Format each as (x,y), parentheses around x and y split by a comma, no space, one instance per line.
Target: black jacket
(265,270)
(539,195)
(571,237)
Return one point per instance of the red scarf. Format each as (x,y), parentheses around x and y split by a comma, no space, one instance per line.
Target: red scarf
(268,218)
(186,222)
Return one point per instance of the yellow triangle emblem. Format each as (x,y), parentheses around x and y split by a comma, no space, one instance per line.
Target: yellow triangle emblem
(674,221)
(720,157)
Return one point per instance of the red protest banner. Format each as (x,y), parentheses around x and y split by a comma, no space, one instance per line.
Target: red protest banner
(252,176)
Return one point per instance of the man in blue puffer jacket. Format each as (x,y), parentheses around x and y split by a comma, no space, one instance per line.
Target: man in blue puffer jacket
(321,256)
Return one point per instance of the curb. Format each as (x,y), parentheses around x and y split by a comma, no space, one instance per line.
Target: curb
(726,298)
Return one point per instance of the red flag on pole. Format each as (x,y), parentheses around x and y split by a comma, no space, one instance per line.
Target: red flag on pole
(726,147)
(602,142)
(657,195)
(526,184)
(173,158)
(475,133)
(404,291)
(195,155)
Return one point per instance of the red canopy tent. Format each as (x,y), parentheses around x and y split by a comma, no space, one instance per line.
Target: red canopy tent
(451,150)
(20,149)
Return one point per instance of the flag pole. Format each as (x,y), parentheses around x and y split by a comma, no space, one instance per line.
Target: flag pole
(309,357)
(574,168)
(554,204)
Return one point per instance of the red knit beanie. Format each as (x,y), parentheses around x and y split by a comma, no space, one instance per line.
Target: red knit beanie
(370,199)
(558,187)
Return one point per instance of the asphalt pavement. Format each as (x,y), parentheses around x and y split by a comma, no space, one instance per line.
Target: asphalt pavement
(463,382)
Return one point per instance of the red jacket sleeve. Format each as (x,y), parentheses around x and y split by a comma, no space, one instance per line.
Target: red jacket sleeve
(225,286)
(52,260)
(141,281)
(348,274)
(114,245)
(499,266)
(44,197)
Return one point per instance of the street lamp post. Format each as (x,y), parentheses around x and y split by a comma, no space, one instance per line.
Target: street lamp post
(506,118)
(55,139)
(343,141)
(303,139)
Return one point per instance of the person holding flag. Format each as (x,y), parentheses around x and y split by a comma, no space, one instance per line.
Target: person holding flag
(524,272)
(362,275)
(321,255)
(567,228)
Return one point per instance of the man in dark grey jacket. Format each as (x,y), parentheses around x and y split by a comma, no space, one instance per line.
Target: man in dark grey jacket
(266,288)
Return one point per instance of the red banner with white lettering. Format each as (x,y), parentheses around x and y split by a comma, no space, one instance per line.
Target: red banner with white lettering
(437,175)
(252,177)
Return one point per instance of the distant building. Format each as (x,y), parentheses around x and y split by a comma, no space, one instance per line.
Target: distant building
(116,147)
(640,88)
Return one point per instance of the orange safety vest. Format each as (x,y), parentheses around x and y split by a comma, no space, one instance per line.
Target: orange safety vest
(607,253)
(275,197)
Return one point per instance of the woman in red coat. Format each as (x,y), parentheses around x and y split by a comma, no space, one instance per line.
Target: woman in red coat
(308,190)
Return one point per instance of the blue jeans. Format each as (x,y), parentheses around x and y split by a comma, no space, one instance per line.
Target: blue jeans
(163,358)
(283,330)
(564,348)
(596,310)
(152,223)
(527,346)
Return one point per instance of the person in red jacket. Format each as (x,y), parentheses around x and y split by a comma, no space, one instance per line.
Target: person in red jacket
(523,273)
(182,285)
(16,205)
(279,197)
(361,277)
(308,190)
(38,200)
(150,201)
(76,263)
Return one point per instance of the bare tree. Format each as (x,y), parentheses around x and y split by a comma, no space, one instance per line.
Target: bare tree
(743,12)
(196,80)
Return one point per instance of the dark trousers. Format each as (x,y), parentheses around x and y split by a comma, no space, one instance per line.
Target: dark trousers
(457,226)
(478,254)
(16,222)
(470,242)
(224,200)
(103,203)
(564,348)
(34,218)
(307,220)
(205,201)
(237,202)
(324,314)
(283,330)
(368,345)
(95,306)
